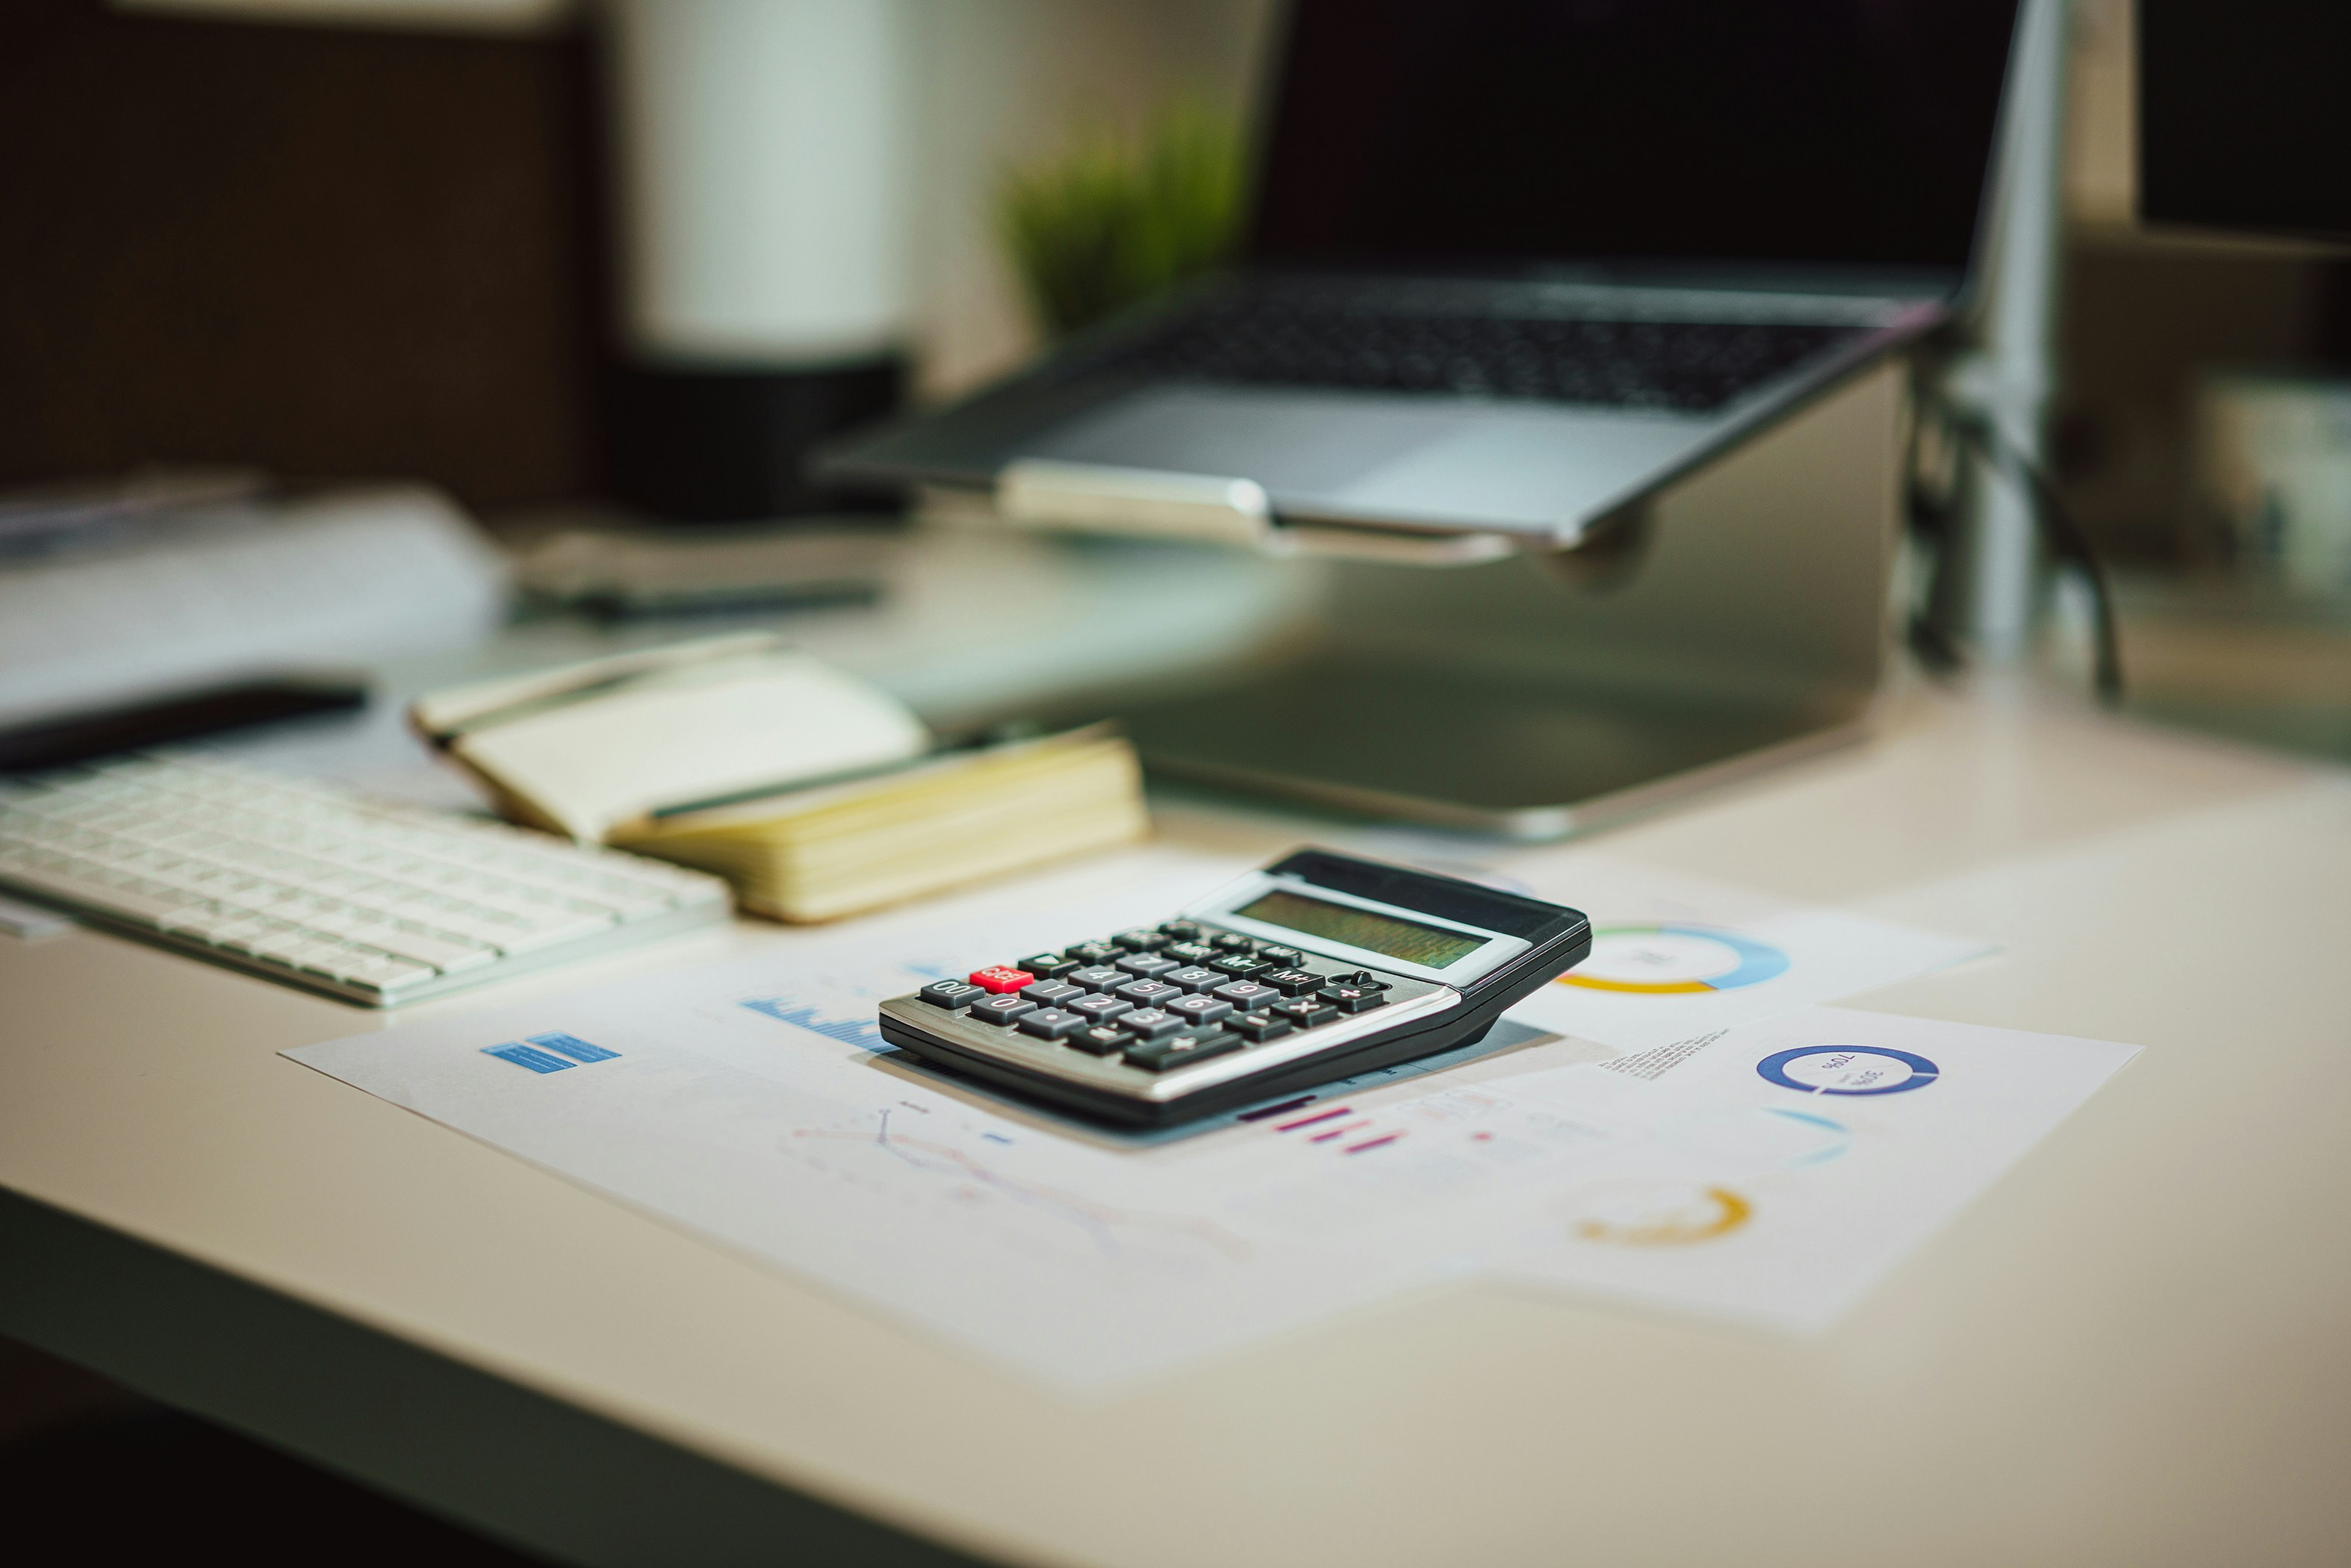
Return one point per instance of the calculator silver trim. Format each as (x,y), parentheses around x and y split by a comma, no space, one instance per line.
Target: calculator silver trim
(1007,1045)
(1499,949)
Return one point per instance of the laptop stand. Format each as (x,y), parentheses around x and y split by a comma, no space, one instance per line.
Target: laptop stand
(1737,617)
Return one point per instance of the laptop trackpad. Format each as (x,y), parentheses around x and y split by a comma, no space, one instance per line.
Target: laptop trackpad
(1284,442)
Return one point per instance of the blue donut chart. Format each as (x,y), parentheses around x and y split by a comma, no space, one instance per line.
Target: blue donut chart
(1775,1068)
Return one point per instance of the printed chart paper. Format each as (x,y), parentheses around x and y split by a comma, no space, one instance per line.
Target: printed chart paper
(1675,957)
(755,1102)
(1778,1172)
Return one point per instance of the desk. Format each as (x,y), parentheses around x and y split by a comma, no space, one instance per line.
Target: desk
(2134,1349)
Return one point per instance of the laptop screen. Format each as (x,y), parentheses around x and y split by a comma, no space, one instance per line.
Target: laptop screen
(1504,132)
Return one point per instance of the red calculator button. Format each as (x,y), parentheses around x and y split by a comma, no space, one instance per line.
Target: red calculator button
(1000,978)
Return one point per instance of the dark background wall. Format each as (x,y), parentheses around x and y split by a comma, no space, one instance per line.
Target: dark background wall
(327,251)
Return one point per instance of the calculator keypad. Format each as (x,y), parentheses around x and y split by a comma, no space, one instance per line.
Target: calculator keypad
(1158,998)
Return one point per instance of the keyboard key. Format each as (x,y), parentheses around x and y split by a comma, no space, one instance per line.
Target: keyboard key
(1052,993)
(1139,941)
(1092,953)
(1150,1023)
(1227,942)
(1193,978)
(1101,1040)
(1147,966)
(1188,952)
(1149,993)
(1305,1012)
(951,994)
(1048,966)
(448,957)
(1259,1027)
(1362,977)
(1001,978)
(1351,998)
(1200,1008)
(1291,982)
(1233,966)
(1100,1009)
(1098,978)
(1247,996)
(1180,930)
(1162,1056)
(1052,1023)
(1000,1009)
(1283,957)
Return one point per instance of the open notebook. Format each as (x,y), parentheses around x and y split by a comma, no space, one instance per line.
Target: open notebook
(815,794)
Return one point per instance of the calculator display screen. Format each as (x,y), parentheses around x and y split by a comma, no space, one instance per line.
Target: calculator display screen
(1427,946)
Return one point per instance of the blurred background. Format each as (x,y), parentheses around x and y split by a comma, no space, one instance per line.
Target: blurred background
(343,239)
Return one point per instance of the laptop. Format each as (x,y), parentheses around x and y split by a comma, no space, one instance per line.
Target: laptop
(1513,265)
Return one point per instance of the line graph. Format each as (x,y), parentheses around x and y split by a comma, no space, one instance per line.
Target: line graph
(859,1031)
(1102,1223)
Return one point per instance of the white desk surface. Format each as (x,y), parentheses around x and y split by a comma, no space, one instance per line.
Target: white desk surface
(2136,1349)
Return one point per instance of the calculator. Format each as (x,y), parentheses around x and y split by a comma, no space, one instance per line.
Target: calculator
(1318,967)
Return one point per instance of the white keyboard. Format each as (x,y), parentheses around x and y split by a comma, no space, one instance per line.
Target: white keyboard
(312,885)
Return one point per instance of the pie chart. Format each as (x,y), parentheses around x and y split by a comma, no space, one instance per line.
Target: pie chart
(1655,1213)
(1847,1070)
(1674,960)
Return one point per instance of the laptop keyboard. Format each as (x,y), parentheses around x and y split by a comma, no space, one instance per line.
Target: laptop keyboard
(1683,366)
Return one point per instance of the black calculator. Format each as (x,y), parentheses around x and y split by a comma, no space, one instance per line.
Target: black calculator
(1319,967)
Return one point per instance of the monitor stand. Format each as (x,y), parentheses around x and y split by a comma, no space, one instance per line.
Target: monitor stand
(1740,619)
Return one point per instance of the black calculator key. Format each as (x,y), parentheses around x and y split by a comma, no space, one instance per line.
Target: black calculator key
(1150,1023)
(1259,1027)
(1161,1056)
(1101,1040)
(1363,978)
(1052,1023)
(1100,1009)
(1236,967)
(951,994)
(1098,978)
(1247,996)
(1003,1009)
(1149,993)
(1351,998)
(1048,966)
(1092,953)
(1188,952)
(1052,993)
(1180,930)
(1147,966)
(1139,941)
(1305,1012)
(1286,957)
(1291,982)
(1226,942)
(1193,978)
(1200,1008)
